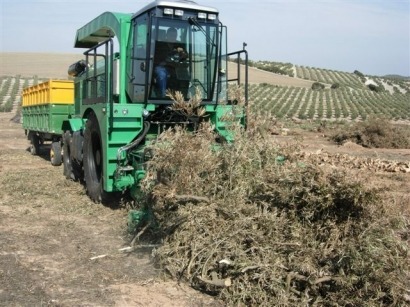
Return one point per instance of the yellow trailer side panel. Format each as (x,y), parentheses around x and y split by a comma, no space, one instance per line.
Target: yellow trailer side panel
(49,92)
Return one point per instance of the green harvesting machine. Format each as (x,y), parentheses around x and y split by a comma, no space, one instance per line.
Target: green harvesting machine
(119,101)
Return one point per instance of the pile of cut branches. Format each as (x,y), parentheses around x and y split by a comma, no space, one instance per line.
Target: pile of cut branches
(255,224)
(374,132)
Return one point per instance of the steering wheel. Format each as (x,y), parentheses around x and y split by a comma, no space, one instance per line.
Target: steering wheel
(175,57)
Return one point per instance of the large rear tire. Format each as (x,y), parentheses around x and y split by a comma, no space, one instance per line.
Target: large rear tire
(93,160)
(55,154)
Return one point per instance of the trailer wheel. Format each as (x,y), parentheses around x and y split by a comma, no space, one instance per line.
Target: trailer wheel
(34,144)
(55,154)
(72,170)
(93,160)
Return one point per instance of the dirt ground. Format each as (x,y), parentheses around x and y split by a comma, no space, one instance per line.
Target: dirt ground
(50,231)
(57,248)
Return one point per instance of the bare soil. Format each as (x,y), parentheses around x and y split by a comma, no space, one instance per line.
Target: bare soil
(44,65)
(57,248)
(257,76)
(386,170)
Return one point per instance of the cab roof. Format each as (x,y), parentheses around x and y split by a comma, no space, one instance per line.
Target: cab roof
(109,24)
(100,29)
(183,4)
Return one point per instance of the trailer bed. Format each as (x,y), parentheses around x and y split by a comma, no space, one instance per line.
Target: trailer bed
(45,106)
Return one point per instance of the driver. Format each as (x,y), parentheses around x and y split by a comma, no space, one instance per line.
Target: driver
(167,55)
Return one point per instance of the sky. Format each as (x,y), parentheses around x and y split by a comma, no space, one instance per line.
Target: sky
(372,36)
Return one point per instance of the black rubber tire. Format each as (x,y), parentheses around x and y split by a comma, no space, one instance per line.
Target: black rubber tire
(93,158)
(68,169)
(34,144)
(72,170)
(55,154)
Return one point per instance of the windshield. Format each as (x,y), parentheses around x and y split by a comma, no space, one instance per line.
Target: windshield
(184,58)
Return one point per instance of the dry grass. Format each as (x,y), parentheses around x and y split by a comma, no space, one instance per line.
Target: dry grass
(375,132)
(255,224)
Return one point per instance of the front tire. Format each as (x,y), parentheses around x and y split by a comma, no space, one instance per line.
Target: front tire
(55,154)
(72,169)
(93,160)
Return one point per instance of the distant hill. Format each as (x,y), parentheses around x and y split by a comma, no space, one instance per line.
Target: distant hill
(43,65)
(55,65)
(257,76)
(397,77)
(287,94)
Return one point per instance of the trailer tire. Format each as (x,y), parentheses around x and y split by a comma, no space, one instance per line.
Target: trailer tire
(93,160)
(55,154)
(34,144)
(72,170)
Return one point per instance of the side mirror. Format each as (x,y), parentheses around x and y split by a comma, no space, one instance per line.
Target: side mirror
(77,68)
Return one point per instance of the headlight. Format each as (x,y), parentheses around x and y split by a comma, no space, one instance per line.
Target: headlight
(179,13)
(201,15)
(211,16)
(168,11)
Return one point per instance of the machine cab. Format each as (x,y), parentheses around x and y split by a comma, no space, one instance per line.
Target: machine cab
(175,46)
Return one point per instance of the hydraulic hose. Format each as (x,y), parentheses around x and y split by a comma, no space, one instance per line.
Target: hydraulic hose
(134,143)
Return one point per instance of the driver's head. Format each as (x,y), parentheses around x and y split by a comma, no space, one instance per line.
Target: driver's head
(172,34)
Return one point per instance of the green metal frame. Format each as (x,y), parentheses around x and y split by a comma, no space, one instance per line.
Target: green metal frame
(126,120)
(121,122)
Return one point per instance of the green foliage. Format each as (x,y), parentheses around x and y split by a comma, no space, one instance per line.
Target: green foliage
(358,73)
(316,86)
(341,103)
(335,86)
(10,91)
(375,88)
(274,67)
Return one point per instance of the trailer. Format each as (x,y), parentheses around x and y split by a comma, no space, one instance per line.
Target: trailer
(45,107)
